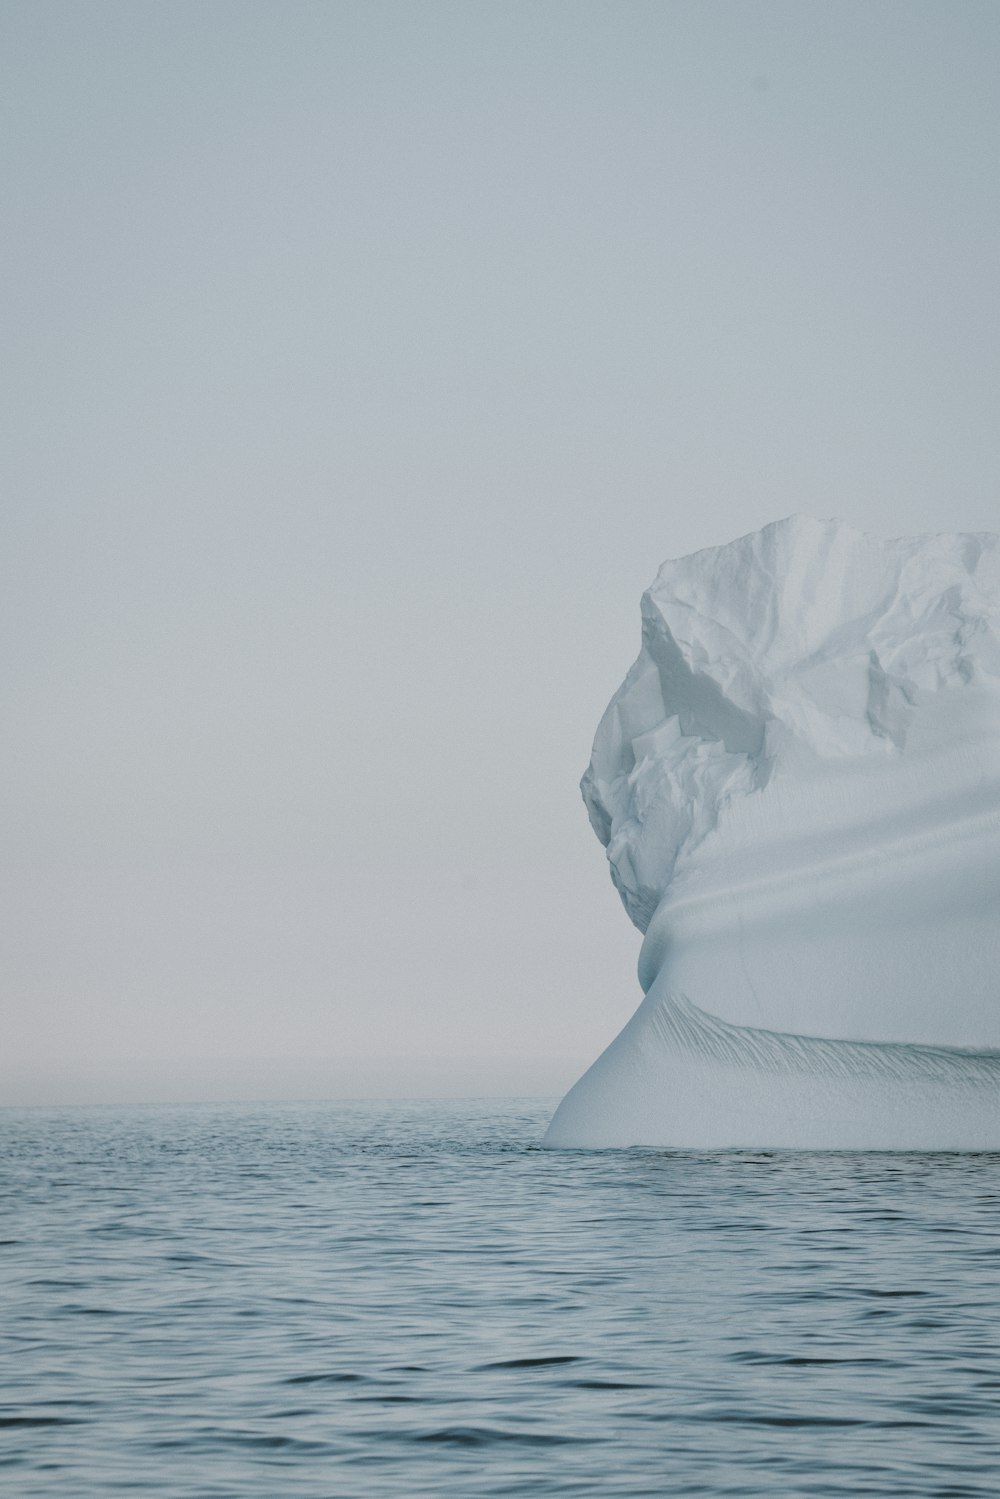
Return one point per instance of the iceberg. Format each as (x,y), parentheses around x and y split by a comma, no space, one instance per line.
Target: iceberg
(798,788)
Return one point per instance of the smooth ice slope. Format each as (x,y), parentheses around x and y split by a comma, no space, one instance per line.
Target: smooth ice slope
(798,785)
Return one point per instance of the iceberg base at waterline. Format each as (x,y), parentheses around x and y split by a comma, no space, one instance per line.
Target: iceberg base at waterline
(798,787)
(678,1078)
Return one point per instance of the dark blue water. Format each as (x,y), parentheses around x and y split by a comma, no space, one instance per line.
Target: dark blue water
(355,1300)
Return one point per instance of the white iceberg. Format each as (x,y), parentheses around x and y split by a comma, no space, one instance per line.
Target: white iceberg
(798,785)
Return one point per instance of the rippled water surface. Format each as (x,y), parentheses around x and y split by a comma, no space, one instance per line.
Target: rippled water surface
(413,1299)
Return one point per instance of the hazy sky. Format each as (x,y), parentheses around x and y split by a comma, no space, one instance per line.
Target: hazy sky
(362,361)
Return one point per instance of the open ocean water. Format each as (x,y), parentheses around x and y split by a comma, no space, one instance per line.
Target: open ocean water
(337,1300)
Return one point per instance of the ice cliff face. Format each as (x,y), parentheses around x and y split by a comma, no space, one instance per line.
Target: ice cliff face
(798,785)
(807,636)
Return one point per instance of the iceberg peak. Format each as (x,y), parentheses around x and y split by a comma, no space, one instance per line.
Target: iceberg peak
(808,638)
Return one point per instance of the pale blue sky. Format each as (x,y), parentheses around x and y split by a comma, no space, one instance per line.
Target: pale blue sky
(362,361)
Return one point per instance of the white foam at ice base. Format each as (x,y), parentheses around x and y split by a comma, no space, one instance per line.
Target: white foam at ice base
(798,785)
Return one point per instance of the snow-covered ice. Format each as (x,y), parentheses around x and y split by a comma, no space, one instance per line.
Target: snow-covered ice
(798,786)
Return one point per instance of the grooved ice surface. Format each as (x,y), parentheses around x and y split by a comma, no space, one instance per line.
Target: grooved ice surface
(798,785)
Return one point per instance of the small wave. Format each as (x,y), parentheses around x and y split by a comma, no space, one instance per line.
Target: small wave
(329,1377)
(543,1362)
(15,1421)
(491,1436)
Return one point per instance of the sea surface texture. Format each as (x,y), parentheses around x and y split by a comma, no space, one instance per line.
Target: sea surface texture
(336,1300)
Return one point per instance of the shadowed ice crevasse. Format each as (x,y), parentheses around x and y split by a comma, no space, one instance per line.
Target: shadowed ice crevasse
(798,786)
